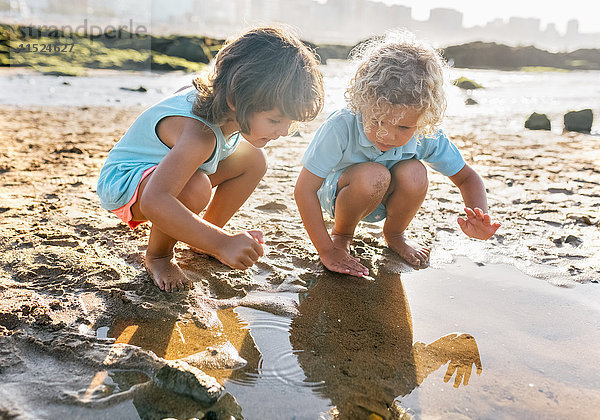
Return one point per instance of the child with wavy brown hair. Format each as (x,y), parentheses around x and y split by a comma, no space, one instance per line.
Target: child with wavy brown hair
(210,135)
(364,162)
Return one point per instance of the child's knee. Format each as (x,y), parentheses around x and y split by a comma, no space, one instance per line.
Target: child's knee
(196,193)
(251,161)
(411,177)
(259,162)
(371,179)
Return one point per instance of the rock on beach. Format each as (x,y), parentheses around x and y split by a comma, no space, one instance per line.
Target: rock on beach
(580,121)
(538,122)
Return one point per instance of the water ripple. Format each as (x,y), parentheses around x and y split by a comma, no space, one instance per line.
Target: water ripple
(278,362)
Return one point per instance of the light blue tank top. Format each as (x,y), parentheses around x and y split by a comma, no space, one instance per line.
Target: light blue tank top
(140,148)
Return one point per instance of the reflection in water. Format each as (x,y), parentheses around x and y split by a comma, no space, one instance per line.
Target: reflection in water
(174,339)
(355,336)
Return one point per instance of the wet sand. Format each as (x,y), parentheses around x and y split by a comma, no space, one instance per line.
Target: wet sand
(69,268)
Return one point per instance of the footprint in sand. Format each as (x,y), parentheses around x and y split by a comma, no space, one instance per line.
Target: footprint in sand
(272,207)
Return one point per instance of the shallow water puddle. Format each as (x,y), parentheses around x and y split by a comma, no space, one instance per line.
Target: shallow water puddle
(359,347)
(459,342)
(539,344)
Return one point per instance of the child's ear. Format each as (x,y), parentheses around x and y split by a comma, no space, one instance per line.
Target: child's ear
(230,105)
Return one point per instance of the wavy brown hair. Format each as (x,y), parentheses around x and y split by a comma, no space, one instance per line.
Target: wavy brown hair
(263,69)
(398,70)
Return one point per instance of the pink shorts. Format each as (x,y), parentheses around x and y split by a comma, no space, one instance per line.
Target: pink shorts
(124,212)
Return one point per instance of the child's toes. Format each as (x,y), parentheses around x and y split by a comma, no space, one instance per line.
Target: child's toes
(159,283)
(414,260)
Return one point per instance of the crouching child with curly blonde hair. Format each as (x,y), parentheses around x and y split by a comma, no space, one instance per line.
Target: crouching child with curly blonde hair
(364,162)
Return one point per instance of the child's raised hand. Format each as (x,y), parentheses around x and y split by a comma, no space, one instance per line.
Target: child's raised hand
(242,250)
(478,224)
(339,260)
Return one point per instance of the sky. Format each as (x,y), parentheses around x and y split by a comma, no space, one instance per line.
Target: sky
(479,12)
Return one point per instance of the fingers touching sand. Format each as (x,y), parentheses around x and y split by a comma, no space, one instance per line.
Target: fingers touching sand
(338,258)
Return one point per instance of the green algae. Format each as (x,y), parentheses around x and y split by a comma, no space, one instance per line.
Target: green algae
(543,69)
(466,83)
(55,52)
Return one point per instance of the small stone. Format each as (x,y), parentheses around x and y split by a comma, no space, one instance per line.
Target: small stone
(141,89)
(184,379)
(73,149)
(580,121)
(466,84)
(538,122)
(573,240)
(583,218)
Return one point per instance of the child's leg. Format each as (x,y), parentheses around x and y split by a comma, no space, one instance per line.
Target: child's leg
(235,179)
(404,198)
(158,261)
(361,188)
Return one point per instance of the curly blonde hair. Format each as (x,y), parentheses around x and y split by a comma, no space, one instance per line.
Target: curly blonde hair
(263,69)
(398,70)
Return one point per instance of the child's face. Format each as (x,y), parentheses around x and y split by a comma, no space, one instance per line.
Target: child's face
(395,130)
(266,126)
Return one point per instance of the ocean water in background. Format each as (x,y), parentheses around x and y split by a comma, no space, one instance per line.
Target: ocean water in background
(507,99)
(504,104)
(101,88)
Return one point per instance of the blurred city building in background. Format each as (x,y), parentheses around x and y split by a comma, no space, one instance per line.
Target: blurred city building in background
(326,21)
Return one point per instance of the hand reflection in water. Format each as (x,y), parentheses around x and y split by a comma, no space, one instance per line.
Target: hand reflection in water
(355,336)
(462,352)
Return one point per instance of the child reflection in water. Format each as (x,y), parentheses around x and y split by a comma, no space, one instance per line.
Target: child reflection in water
(357,339)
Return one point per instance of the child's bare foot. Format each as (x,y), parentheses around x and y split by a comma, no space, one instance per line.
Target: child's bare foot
(416,255)
(341,240)
(166,273)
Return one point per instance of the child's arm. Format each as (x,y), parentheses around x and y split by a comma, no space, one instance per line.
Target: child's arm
(335,259)
(478,223)
(192,146)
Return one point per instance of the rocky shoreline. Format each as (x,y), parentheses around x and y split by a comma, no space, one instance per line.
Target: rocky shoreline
(25,46)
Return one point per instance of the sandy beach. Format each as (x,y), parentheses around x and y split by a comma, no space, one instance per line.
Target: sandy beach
(69,268)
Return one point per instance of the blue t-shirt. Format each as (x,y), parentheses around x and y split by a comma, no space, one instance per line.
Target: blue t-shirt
(140,148)
(341,141)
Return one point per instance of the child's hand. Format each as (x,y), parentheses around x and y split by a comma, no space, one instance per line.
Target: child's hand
(242,250)
(258,235)
(340,261)
(478,225)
